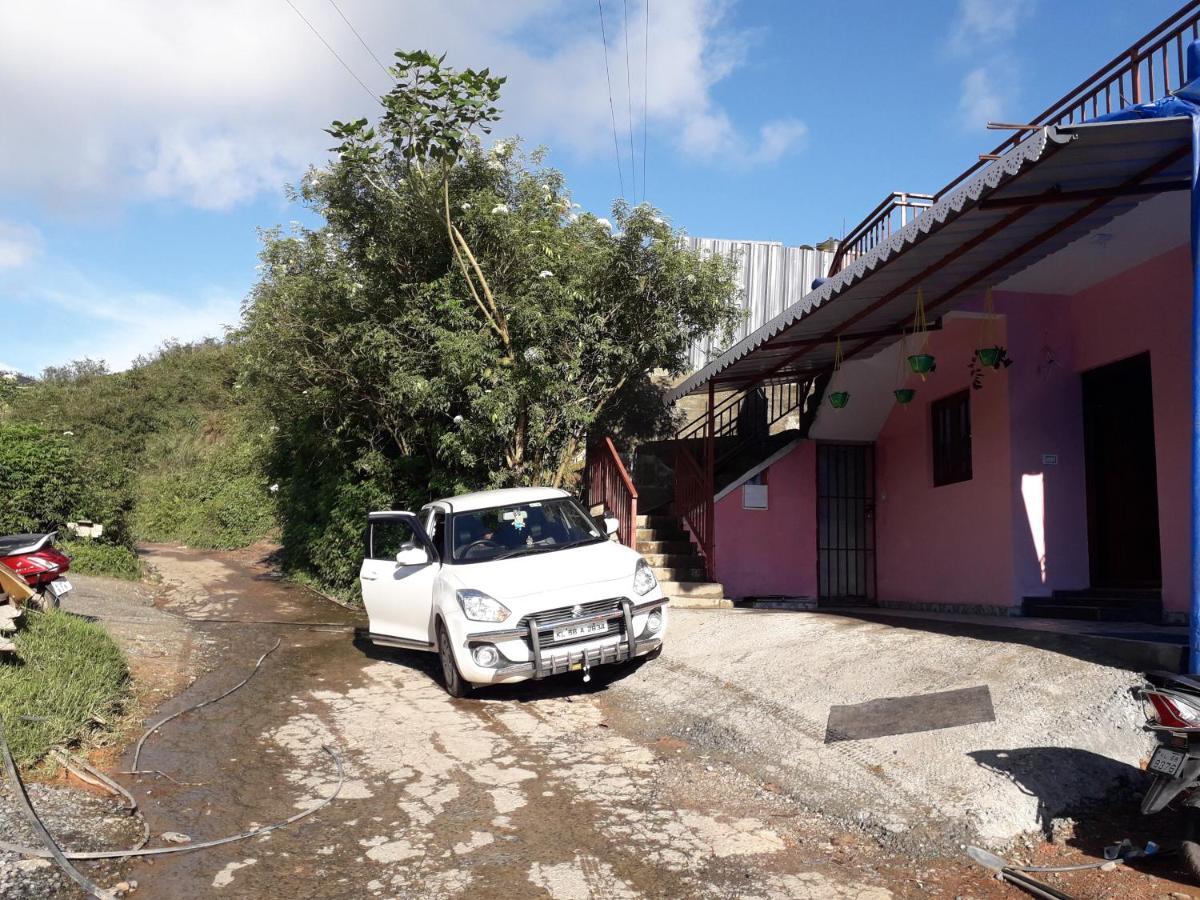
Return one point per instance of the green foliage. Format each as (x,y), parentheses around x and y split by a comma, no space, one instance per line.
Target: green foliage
(204,487)
(68,674)
(94,557)
(164,451)
(455,325)
(40,485)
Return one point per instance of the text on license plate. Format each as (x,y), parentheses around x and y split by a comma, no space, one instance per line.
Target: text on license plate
(1166,761)
(59,586)
(566,632)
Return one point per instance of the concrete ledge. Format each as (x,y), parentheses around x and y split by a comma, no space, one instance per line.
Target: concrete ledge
(684,602)
(1122,645)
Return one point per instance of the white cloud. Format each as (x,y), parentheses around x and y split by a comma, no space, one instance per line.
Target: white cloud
(981,35)
(980,23)
(110,322)
(211,103)
(980,101)
(18,245)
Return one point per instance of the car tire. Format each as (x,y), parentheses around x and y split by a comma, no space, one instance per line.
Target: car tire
(456,686)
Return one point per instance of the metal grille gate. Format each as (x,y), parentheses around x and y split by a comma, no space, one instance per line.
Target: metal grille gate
(846,521)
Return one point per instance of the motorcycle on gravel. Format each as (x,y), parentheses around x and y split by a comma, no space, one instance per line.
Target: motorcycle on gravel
(1172,707)
(39,563)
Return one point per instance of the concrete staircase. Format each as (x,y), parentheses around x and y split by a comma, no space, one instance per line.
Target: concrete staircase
(677,564)
(1098,605)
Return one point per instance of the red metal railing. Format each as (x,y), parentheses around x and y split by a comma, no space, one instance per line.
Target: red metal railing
(609,485)
(896,211)
(694,501)
(1151,68)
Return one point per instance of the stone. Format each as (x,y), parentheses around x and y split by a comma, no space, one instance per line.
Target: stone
(174,837)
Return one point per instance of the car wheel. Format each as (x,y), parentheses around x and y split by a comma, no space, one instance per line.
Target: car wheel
(452,680)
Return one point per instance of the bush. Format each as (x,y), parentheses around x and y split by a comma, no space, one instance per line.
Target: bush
(205,487)
(68,674)
(89,557)
(40,484)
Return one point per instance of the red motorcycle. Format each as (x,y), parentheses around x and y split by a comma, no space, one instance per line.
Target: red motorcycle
(40,564)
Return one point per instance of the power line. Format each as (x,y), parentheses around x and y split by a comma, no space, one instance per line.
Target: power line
(645,96)
(366,46)
(629,101)
(611,109)
(329,47)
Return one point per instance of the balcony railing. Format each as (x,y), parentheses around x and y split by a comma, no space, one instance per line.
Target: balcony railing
(1150,69)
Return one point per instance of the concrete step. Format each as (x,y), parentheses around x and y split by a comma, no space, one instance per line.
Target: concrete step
(658,520)
(701,603)
(682,560)
(664,547)
(678,574)
(1046,608)
(692,589)
(662,534)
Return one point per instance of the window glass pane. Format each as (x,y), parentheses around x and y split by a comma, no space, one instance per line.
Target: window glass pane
(951,428)
(390,537)
(539,526)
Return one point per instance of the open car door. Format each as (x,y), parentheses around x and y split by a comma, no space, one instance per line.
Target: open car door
(397,576)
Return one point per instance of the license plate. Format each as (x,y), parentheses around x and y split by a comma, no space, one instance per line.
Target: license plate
(59,586)
(1167,762)
(566,632)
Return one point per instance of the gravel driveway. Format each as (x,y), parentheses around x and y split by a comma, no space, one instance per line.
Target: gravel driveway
(705,773)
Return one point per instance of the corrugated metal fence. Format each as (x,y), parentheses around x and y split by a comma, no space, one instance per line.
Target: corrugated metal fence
(770,278)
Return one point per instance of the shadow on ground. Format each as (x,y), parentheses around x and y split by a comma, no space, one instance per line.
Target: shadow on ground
(1100,794)
(1143,654)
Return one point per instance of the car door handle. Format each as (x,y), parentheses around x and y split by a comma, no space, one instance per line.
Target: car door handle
(367,577)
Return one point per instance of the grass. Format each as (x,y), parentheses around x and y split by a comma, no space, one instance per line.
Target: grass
(67,676)
(90,557)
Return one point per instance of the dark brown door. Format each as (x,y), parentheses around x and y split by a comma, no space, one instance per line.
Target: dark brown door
(1122,481)
(846,522)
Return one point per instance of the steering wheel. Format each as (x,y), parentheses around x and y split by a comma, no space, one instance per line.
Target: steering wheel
(481,544)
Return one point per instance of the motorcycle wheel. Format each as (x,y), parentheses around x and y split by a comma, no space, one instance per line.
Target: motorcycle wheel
(1190,848)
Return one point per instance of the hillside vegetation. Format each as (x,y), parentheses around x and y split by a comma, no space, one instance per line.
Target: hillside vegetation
(165,451)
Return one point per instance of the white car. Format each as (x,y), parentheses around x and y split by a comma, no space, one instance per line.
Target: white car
(508,585)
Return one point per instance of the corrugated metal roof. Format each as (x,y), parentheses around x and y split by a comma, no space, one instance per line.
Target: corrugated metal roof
(963,239)
(770,278)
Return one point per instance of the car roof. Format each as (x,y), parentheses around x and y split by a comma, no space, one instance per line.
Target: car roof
(502,497)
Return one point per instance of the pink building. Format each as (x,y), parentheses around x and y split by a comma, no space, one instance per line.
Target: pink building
(1048,474)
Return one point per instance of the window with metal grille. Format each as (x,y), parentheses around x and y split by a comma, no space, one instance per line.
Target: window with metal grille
(951,418)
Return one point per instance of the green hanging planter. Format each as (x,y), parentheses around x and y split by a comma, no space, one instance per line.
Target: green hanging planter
(922,363)
(904,395)
(989,356)
(838,399)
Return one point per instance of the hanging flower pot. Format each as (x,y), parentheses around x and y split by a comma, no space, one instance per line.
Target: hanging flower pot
(989,356)
(922,363)
(904,395)
(994,357)
(838,399)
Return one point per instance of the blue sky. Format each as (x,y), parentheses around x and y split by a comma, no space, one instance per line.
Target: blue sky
(145,143)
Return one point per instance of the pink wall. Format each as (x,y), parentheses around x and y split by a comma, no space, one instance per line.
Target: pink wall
(1149,308)
(949,544)
(1019,527)
(766,552)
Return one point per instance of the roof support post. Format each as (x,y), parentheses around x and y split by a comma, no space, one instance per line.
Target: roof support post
(1194,611)
(710,464)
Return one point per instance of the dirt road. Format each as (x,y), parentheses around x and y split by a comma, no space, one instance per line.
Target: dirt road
(554,789)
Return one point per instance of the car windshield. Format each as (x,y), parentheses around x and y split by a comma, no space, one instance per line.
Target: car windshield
(539,526)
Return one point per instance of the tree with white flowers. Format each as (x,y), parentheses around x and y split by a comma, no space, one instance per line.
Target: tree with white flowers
(456,323)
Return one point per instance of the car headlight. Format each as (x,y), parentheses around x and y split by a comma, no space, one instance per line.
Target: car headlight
(643,578)
(479,607)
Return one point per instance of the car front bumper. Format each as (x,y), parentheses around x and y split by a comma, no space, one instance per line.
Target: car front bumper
(524,655)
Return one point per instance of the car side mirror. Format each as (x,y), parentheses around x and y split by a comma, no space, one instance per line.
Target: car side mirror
(611,525)
(412,556)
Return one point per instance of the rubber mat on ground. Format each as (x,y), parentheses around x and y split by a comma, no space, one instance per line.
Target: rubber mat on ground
(907,715)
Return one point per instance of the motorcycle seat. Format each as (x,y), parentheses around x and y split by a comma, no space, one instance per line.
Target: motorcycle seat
(14,544)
